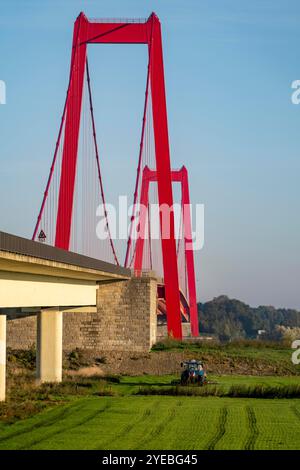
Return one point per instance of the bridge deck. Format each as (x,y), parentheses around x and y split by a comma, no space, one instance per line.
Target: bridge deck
(36,275)
(21,255)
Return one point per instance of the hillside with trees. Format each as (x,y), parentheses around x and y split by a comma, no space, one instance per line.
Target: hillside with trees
(231,319)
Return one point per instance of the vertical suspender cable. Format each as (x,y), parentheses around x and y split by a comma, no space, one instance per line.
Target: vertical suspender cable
(98,162)
(140,154)
(56,146)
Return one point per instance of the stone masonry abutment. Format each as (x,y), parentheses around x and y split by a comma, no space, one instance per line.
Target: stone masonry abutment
(125,320)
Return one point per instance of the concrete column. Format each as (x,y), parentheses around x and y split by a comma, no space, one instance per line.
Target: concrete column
(2,357)
(49,345)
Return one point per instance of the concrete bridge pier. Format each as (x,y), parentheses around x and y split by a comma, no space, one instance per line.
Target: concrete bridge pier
(37,278)
(2,356)
(49,345)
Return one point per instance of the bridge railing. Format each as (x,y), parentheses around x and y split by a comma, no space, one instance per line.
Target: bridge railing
(118,20)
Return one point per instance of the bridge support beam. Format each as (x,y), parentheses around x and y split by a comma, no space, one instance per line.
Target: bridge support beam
(2,357)
(49,345)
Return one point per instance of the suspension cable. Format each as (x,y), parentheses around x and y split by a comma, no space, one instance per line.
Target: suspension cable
(58,140)
(98,162)
(129,241)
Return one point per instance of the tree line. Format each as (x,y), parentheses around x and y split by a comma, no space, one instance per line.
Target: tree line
(230,319)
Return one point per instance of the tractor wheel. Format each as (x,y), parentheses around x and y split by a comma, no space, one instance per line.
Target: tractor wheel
(184,378)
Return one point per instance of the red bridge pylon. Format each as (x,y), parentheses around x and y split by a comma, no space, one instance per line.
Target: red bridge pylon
(62,205)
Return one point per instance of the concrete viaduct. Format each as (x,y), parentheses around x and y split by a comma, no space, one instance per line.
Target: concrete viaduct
(39,279)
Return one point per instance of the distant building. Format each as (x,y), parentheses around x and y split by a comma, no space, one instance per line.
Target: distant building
(260,333)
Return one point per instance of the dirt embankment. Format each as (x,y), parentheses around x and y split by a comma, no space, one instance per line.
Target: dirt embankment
(217,361)
(169,362)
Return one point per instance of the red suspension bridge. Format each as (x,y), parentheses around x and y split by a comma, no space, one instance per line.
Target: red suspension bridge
(75,185)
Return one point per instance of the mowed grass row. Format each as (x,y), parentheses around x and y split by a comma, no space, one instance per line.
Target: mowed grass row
(159,422)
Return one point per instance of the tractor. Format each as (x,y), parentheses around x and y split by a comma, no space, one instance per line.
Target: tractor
(193,373)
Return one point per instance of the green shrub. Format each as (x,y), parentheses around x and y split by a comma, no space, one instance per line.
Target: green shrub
(236,391)
(182,391)
(264,391)
(23,357)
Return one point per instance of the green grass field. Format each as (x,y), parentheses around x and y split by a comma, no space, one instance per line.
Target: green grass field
(135,422)
(128,421)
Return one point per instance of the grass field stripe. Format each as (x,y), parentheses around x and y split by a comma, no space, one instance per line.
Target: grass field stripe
(158,429)
(295,411)
(46,421)
(253,429)
(82,422)
(49,432)
(129,427)
(220,430)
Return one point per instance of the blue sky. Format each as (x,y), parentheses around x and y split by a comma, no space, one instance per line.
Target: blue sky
(229,68)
